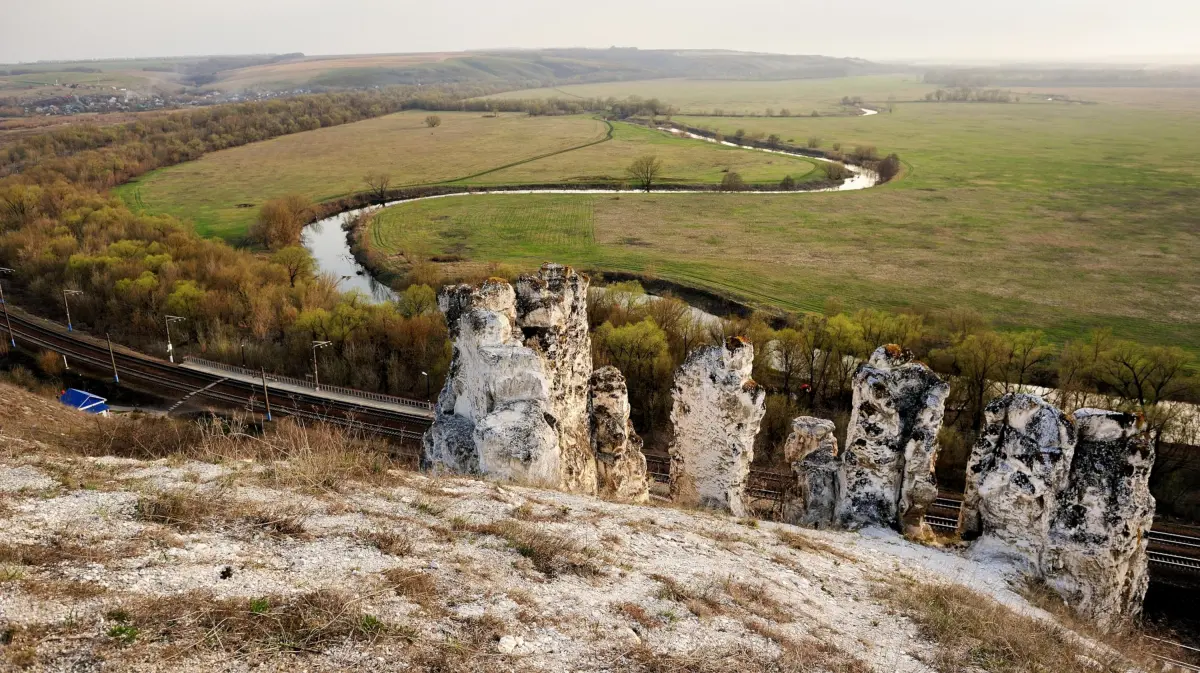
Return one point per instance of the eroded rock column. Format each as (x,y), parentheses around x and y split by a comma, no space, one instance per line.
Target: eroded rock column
(551,310)
(812,450)
(716,413)
(1096,552)
(891,443)
(1017,468)
(494,414)
(620,463)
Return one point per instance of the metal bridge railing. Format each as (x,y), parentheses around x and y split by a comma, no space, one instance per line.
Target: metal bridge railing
(352,392)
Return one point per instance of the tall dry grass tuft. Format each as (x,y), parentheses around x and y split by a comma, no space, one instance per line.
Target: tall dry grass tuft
(975,632)
(311,456)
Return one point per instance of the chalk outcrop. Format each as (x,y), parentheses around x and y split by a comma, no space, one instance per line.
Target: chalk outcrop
(620,463)
(494,414)
(1096,551)
(716,413)
(891,443)
(551,310)
(811,449)
(1016,471)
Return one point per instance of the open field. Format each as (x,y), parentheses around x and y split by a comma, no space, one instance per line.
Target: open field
(304,71)
(800,97)
(1051,216)
(329,163)
(684,161)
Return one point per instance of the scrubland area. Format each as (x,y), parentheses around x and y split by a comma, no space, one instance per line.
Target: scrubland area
(133,543)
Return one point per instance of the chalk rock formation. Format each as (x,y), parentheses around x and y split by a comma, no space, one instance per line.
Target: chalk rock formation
(1096,552)
(812,451)
(1015,473)
(494,415)
(620,463)
(552,314)
(716,414)
(891,443)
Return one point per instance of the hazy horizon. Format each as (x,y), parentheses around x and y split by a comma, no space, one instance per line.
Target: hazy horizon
(1045,31)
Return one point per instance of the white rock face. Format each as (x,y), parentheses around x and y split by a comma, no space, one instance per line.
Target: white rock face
(812,450)
(716,414)
(620,463)
(551,312)
(891,443)
(1096,552)
(1014,476)
(494,414)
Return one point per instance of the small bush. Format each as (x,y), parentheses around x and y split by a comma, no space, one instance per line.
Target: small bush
(814,142)
(732,182)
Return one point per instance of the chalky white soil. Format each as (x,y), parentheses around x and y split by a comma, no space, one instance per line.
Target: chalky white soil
(563,623)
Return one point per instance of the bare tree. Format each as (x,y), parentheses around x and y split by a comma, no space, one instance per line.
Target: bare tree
(644,171)
(433,121)
(378,183)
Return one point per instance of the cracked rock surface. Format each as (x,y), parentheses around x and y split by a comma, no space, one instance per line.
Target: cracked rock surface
(891,443)
(620,463)
(716,413)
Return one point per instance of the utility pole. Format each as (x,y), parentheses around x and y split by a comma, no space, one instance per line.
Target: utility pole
(67,305)
(316,376)
(266,394)
(170,349)
(112,358)
(12,339)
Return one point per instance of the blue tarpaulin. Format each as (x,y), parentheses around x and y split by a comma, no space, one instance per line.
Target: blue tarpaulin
(84,401)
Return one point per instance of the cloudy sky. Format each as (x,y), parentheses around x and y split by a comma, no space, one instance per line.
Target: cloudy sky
(878,29)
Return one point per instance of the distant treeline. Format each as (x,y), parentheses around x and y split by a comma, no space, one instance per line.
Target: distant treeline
(28,71)
(1081,77)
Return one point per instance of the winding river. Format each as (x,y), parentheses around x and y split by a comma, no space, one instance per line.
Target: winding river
(328,242)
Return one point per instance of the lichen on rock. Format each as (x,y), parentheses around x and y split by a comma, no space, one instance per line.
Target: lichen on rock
(551,313)
(620,463)
(812,450)
(1095,556)
(891,443)
(716,413)
(1016,471)
(493,416)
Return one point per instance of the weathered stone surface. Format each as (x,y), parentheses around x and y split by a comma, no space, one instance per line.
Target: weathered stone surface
(1096,552)
(716,412)
(620,463)
(811,448)
(891,443)
(551,310)
(494,415)
(1015,473)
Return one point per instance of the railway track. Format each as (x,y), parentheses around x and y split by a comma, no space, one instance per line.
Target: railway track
(220,390)
(1168,548)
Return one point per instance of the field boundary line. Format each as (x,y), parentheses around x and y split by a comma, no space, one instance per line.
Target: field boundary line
(607,137)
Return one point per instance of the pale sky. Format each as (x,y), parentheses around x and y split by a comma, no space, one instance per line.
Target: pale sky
(875,29)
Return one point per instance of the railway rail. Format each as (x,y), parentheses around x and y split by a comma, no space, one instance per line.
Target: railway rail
(406,424)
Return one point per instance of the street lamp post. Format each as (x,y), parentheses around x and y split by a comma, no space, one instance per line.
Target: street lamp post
(67,305)
(243,349)
(113,359)
(12,339)
(171,349)
(426,375)
(316,376)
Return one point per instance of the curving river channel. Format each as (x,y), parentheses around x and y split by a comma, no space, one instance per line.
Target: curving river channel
(328,243)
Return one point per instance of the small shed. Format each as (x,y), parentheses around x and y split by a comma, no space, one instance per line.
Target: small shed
(84,401)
